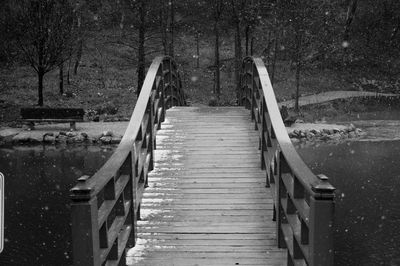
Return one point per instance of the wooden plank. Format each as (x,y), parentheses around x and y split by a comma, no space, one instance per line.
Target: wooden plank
(206,192)
(204,261)
(207,203)
(212,201)
(209,236)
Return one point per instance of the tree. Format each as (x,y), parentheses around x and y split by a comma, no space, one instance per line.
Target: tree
(237,6)
(171,27)
(166,17)
(43,30)
(300,23)
(218,6)
(351,12)
(244,14)
(7,45)
(141,49)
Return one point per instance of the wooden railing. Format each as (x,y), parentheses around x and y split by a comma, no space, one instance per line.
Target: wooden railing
(106,206)
(303,202)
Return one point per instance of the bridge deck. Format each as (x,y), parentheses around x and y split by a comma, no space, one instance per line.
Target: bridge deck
(206,203)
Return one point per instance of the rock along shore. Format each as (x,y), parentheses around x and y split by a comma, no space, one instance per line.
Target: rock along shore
(323,132)
(91,132)
(112,132)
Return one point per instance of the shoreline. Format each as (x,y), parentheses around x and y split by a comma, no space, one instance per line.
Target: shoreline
(105,133)
(87,132)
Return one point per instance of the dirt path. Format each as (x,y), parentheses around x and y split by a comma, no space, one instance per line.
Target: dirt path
(333,95)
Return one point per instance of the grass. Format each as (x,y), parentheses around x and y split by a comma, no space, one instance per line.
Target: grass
(353,109)
(107,78)
(103,79)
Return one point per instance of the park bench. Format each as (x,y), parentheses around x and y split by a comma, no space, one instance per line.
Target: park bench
(57,115)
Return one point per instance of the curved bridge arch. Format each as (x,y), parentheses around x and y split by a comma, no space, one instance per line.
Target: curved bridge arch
(303,202)
(106,206)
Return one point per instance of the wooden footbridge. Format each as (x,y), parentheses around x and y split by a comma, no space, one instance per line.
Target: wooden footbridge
(203,185)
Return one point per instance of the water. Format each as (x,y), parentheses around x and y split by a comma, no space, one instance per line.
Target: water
(366,175)
(37,215)
(367,178)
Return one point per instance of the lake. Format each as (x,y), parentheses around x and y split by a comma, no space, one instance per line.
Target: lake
(367,218)
(37,215)
(38,179)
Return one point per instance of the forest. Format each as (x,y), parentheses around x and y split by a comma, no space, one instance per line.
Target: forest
(90,53)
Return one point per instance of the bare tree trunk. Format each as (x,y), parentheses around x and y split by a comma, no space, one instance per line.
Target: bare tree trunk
(172,28)
(217,63)
(252,46)
(274,60)
(247,33)
(70,53)
(163,27)
(80,45)
(141,52)
(238,58)
(351,13)
(61,79)
(198,50)
(122,21)
(78,55)
(69,69)
(267,50)
(298,68)
(395,31)
(40,86)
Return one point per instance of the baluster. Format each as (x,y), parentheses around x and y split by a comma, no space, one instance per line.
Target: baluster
(135,181)
(263,140)
(113,254)
(150,129)
(304,233)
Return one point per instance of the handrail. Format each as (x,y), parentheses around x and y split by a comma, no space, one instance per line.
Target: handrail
(303,202)
(106,206)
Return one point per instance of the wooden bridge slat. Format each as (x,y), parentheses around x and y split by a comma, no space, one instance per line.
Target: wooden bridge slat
(207,203)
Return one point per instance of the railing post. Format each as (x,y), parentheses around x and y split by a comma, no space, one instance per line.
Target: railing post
(239,92)
(85,232)
(162,98)
(129,169)
(283,168)
(321,223)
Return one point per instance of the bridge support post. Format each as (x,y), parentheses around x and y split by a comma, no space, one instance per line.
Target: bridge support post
(322,209)
(85,234)
(281,194)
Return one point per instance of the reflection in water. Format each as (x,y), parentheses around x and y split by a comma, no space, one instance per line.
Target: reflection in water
(367,178)
(37,216)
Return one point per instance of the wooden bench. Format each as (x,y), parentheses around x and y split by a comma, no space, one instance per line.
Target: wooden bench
(57,115)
